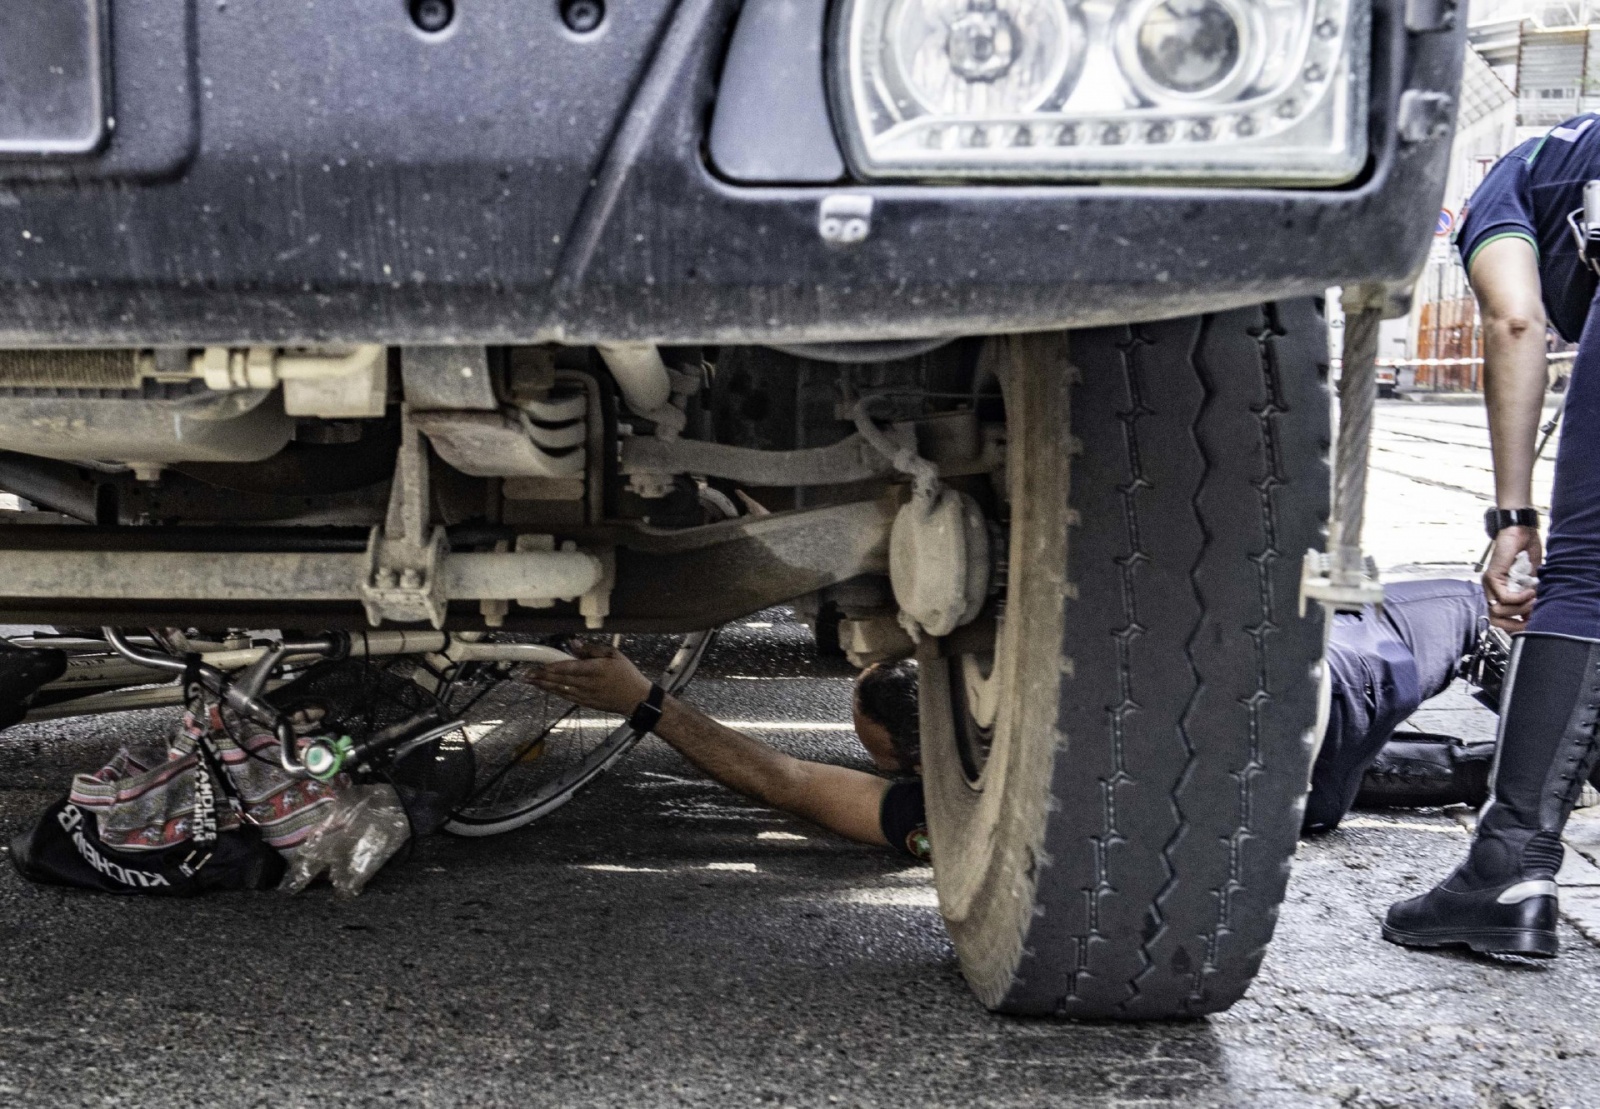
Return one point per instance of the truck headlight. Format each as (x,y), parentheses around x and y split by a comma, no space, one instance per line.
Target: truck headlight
(1266,91)
(1200,49)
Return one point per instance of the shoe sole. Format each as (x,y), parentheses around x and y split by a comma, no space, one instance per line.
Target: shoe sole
(1494,941)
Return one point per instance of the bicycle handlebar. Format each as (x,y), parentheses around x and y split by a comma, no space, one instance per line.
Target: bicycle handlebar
(242,695)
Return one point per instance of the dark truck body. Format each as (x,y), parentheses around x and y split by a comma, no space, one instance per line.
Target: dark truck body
(320,171)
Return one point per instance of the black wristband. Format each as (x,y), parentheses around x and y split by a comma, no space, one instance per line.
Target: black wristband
(647,714)
(1496,520)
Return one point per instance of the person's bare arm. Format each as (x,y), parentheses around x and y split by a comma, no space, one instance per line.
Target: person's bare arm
(839,799)
(1505,277)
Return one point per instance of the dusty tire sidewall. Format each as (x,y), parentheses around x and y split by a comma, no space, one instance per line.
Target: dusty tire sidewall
(986,840)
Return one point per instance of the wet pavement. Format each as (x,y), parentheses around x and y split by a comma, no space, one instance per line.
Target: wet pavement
(661,942)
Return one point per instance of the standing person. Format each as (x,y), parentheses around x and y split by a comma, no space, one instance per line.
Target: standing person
(1526,271)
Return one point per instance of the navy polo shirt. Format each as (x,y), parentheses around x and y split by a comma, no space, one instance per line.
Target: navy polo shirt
(1528,195)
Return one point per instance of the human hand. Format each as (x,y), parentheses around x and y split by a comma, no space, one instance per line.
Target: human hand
(600,678)
(1510,604)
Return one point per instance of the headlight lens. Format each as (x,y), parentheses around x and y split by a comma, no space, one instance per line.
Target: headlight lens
(1217,90)
(975,58)
(1189,47)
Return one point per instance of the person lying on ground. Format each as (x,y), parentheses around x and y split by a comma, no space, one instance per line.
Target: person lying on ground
(1382,665)
(852,803)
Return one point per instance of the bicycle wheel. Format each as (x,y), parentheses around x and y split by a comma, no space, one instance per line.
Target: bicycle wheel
(535,751)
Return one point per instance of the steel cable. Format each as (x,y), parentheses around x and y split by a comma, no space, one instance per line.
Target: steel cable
(1357,392)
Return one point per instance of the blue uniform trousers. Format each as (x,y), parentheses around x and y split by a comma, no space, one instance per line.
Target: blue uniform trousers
(1568,602)
(1383,666)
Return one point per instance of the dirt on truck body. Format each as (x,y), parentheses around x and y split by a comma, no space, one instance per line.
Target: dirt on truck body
(468,321)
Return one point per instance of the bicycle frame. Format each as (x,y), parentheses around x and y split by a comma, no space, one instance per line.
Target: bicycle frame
(120,680)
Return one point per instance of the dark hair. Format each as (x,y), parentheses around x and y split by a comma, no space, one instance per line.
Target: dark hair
(887,694)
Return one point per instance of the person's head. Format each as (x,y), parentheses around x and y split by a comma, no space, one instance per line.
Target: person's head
(885,711)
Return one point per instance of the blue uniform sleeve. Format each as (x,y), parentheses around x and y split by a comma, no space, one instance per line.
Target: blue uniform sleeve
(1501,207)
(904,819)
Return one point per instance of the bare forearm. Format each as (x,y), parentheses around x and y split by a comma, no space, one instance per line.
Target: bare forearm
(1505,278)
(731,757)
(838,798)
(1514,386)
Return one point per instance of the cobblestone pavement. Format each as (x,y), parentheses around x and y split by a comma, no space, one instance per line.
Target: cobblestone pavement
(660,942)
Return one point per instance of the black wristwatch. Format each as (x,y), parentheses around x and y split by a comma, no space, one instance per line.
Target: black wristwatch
(647,714)
(1496,520)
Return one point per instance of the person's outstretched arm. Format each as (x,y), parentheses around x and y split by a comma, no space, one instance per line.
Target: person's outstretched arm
(1505,277)
(839,799)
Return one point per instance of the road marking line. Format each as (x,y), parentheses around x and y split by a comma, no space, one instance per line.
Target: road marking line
(1392,825)
(921,898)
(614,868)
(618,868)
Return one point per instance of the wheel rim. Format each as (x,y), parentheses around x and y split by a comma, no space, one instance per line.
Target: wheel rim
(975,692)
(974,677)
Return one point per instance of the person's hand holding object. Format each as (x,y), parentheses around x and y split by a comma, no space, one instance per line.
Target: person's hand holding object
(1510,600)
(600,678)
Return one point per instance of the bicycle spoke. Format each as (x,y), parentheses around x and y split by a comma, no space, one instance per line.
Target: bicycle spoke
(522,751)
(549,749)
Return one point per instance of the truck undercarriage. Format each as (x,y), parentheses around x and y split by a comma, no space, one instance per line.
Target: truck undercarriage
(517,503)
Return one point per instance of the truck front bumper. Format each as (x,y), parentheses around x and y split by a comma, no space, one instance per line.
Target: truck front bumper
(318,172)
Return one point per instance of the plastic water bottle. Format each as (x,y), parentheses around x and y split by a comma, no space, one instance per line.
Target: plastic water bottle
(1522,576)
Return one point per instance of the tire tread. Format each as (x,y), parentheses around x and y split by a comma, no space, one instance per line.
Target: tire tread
(1223,440)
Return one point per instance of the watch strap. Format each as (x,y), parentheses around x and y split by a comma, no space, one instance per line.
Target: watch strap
(647,714)
(1496,520)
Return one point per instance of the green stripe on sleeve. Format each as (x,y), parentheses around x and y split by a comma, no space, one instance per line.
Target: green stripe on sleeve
(1496,238)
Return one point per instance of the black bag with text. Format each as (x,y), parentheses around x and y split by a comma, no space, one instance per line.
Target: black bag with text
(64,848)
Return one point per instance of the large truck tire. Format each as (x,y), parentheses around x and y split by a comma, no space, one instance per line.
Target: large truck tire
(1116,774)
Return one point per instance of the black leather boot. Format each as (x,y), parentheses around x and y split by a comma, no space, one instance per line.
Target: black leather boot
(1502,899)
(22,672)
(1420,769)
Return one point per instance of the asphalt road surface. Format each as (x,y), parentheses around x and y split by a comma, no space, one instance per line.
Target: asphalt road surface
(661,942)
